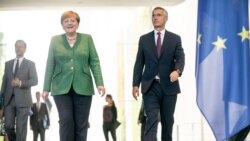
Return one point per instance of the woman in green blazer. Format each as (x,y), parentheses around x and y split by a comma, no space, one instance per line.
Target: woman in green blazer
(71,59)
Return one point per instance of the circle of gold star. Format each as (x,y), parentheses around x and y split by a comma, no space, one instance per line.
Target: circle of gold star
(220,43)
(244,34)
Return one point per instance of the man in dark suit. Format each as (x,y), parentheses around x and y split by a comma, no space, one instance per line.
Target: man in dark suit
(40,113)
(19,76)
(159,63)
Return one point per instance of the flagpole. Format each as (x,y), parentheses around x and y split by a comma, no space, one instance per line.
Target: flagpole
(202,128)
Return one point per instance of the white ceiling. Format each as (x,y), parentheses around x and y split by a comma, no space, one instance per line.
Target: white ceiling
(34,4)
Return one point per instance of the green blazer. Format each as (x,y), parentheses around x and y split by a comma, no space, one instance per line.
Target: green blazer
(72,66)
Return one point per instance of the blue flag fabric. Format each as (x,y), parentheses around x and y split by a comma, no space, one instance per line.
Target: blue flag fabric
(223,65)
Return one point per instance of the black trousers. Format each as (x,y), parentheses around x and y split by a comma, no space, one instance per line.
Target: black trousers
(155,102)
(143,123)
(73,110)
(109,127)
(40,131)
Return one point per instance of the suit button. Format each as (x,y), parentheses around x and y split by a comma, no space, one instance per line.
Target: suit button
(72,68)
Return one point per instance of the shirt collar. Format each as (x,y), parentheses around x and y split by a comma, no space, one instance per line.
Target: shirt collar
(162,32)
(19,59)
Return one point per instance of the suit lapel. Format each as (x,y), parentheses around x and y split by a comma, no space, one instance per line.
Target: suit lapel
(22,64)
(40,108)
(164,43)
(152,44)
(34,108)
(12,66)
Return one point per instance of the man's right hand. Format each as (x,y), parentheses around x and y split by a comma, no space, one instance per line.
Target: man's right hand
(135,92)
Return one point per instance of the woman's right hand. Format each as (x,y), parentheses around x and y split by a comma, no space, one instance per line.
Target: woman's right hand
(45,95)
(101,90)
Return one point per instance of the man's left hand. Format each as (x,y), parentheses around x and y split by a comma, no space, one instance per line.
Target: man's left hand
(174,75)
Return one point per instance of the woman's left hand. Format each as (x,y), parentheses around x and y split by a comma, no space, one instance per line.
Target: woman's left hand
(101,90)
(45,95)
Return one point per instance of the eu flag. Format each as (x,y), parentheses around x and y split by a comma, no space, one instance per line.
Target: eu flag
(223,65)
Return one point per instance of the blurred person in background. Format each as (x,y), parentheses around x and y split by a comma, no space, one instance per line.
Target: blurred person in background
(109,118)
(39,120)
(19,76)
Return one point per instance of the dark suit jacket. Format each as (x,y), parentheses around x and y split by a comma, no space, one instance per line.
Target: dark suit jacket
(36,119)
(148,65)
(27,74)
